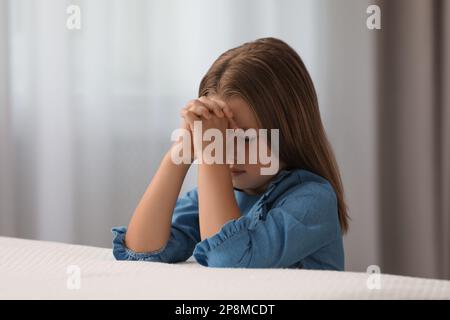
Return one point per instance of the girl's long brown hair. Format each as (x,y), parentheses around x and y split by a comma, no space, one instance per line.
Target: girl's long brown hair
(271,77)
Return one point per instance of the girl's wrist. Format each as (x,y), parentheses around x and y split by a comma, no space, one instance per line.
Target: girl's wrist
(176,157)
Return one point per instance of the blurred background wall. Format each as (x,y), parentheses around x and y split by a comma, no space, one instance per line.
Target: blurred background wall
(86,115)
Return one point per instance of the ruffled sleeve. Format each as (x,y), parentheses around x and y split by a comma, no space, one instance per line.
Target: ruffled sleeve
(184,234)
(220,249)
(121,252)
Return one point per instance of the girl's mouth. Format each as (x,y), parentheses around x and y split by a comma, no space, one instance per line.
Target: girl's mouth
(235,172)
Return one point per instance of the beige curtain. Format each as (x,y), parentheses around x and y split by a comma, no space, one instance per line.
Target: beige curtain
(7,225)
(414,137)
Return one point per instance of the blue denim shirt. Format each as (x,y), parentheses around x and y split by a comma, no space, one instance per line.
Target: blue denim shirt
(294,224)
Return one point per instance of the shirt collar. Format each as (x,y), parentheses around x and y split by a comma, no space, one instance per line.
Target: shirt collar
(283,180)
(279,177)
(284,177)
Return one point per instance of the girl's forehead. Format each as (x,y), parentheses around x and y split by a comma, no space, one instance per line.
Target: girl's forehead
(242,112)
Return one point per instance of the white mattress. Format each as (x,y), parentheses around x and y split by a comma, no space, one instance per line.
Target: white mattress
(31,269)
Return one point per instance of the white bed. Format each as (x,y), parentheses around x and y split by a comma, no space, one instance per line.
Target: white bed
(31,269)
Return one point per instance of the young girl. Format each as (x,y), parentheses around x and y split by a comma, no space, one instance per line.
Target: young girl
(238,217)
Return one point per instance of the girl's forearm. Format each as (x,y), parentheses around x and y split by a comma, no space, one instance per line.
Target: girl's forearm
(149,228)
(217,203)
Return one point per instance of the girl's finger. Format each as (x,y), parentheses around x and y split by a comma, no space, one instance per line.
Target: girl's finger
(223,105)
(213,106)
(199,109)
(190,117)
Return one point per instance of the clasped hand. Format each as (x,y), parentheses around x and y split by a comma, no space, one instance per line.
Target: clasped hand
(212,113)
